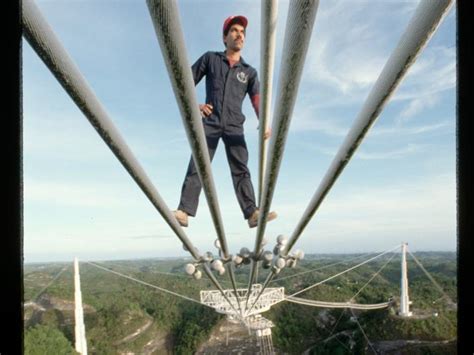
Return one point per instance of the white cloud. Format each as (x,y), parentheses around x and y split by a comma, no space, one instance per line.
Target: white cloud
(362,154)
(342,70)
(392,154)
(348,52)
(348,49)
(307,118)
(62,135)
(433,73)
(312,118)
(99,195)
(418,105)
(152,236)
(412,130)
(421,203)
(356,216)
(422,212)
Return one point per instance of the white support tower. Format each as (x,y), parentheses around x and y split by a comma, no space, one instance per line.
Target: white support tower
(404,299)
(80,329)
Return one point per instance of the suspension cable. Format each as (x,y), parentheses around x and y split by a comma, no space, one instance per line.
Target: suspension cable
(423,24)
(334,328)
(343,272)
(362,331)
(374,276)
(268,18)
(166,20)
(269,13)
(336,335)
(43,40)
(145,283)
(324,304)
(271,275)
(299,26)
(349,303)
(39,293)
(419,31)
(269,278)
(322,267)
(437,285)
(164,273)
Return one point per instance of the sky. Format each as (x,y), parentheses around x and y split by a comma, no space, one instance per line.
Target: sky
(400,185)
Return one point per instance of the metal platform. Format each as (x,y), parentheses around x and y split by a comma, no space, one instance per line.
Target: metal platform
(241,309)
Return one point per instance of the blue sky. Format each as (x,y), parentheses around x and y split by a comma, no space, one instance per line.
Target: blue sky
(399,186)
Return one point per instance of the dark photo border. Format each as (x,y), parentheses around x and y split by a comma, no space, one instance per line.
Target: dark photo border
(11,256)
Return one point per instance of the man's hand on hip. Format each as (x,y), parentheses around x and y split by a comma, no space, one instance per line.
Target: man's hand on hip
(267,134)
(206,110)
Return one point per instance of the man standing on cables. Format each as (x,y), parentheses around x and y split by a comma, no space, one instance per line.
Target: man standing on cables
(228,79)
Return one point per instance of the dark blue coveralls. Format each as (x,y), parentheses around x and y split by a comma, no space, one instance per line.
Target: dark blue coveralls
(226,88)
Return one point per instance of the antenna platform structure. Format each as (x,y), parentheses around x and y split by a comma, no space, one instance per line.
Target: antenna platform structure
(250,316)
(246,305)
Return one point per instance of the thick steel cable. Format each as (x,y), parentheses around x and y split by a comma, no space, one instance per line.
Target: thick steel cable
(423,24)
(211,276)
(269,278)
(166,21)
(43,40)
(268,19)
(269,12)
(299,26)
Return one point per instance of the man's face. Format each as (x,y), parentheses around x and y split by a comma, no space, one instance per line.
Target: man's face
(235,37)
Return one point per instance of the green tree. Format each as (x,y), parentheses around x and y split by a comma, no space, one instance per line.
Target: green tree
(44,340)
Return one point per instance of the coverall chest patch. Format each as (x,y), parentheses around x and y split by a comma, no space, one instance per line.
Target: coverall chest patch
(242,77)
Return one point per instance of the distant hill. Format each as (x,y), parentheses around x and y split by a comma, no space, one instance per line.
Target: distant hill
(126,317)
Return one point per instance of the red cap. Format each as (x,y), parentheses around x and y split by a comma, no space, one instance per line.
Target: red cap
(242,20)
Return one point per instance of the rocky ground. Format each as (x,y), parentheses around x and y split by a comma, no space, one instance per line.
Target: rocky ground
(230,338)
